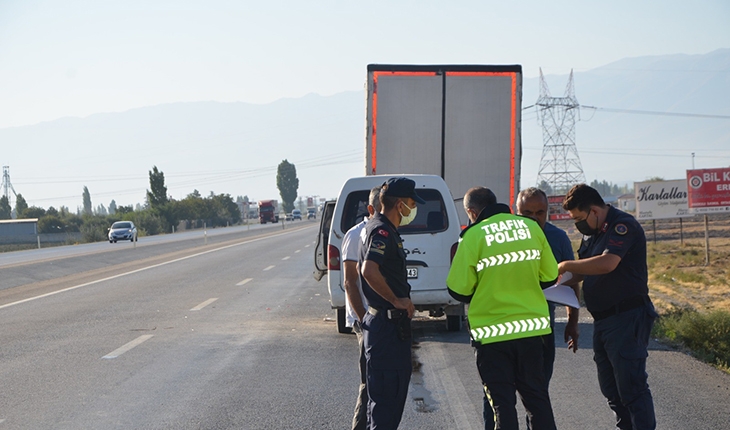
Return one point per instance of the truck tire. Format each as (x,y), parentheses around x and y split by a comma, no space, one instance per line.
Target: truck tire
(453,322)
(341,328)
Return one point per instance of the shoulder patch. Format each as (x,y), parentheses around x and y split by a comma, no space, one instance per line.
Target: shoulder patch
(382,232)
(621,229)
(377,246)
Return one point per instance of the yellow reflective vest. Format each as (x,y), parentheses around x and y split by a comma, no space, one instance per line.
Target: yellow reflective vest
(499,263)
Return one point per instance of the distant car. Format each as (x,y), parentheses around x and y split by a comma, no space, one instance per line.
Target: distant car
(311,214)
(296,214)
(122,230)
(288,217)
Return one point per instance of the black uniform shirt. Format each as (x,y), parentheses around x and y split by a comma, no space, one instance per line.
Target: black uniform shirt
(623,236)
(384,246)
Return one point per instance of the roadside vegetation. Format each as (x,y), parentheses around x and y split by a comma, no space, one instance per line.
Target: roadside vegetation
(159,215)
(693,299)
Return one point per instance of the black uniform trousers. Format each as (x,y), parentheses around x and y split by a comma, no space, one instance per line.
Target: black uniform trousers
(388,371)
(510,367)
(620,345)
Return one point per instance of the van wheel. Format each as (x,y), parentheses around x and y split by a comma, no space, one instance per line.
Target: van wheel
(453,322)
(341,328)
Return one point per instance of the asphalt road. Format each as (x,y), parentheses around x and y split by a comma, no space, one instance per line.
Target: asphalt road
(230,331)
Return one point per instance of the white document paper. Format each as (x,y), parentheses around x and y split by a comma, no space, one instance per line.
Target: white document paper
(563,294)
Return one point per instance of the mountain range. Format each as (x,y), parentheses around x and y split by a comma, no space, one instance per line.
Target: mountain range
(639,118)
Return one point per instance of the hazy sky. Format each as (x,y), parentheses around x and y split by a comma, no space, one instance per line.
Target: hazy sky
(76,58)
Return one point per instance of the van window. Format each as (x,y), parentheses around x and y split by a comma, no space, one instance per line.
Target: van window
(431,216)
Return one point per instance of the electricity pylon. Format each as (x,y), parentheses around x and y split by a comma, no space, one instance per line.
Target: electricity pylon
(560,164)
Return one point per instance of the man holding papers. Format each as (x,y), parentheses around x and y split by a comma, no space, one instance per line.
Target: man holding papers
(615,288)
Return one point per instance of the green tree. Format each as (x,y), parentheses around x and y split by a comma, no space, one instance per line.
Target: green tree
(34,212)
(87,201)
(157,197)
(125,209)
(5,208)
(20,206)
(288,184)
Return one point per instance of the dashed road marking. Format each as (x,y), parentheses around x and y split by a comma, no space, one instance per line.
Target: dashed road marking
(285,258)
(204,304)
(52,293)
(297,251)
(121,350)
(244,282)
(269,268)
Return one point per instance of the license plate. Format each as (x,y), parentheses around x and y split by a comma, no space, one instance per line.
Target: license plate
(412,272)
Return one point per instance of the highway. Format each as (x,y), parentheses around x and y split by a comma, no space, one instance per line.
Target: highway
(229,330)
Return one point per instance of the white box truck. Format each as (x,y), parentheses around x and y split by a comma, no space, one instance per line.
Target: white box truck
(460,122)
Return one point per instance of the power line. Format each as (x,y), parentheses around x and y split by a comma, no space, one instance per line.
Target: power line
(649,112)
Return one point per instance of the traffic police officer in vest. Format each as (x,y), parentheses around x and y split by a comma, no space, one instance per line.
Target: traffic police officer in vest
(387,324)
(501,264)
(612,259)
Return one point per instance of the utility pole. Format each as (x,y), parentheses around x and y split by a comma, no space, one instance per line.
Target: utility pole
(560,165)
(7,186)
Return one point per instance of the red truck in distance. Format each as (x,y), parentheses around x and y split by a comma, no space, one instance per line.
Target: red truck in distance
(268,211)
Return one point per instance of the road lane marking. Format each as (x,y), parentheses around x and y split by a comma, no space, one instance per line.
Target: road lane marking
(109,278)
(269,268)
(244,282)
(285,258)
(121,350)
(204,304)
(297,251)
(459,401)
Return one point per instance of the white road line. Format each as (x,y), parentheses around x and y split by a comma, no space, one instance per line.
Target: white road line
(244,282)
(297,251)
(119,351)
(29,299)
(269,268)
(462,410)
(306,246)
(285,258)
(204,304)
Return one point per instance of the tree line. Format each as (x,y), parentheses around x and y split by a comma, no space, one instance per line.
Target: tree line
(159,214)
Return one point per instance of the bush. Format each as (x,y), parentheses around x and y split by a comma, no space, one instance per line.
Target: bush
(707,335)
(148,223)
(94,229)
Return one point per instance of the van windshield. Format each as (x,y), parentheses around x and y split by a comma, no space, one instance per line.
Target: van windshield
(431,216)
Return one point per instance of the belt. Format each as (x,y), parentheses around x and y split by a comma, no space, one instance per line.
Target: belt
(623,306)
(391,314)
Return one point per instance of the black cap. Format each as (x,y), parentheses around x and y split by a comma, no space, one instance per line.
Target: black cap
(402,187)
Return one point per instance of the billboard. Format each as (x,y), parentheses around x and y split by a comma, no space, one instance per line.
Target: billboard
(709,190)
(661,199)
(555,208)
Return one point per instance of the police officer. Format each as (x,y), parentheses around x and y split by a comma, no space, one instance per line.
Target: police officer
(356,305)
(499,266)
(612,259)
(387,324)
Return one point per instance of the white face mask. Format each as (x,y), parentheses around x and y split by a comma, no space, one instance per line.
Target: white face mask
(405,220)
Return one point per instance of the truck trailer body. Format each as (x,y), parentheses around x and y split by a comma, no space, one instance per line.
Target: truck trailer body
(461,122)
